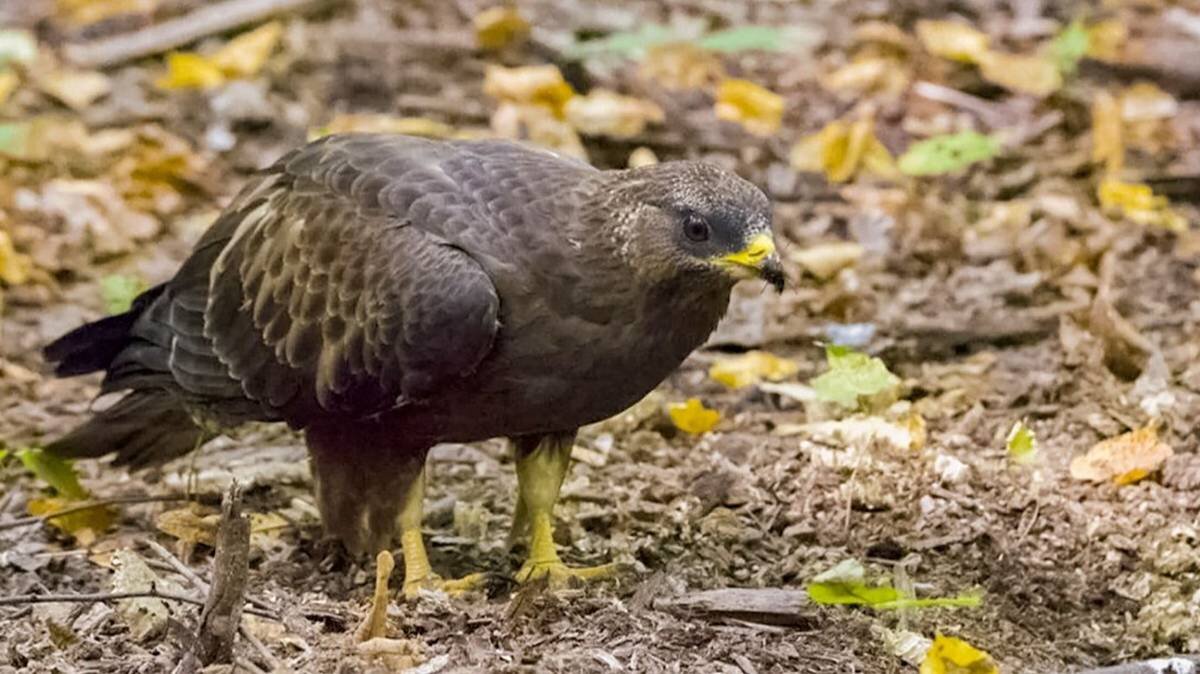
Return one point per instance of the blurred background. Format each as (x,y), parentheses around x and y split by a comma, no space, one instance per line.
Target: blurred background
(980,388)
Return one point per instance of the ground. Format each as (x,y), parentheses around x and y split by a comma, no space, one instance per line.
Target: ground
(998,293)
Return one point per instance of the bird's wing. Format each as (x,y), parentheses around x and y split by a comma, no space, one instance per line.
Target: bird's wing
(308,290)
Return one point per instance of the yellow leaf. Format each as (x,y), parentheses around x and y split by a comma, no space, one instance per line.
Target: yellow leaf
(76,88)
(542,86)
(681,65)
(952,40)
(191,525)
(825,260)
(606,113)
(758,110)
(752,367)
(246,54)
(1106,39)
(843,149)
(1124,459)
(1032,74)
(870,73)
(499,27)
(950,655)
(1022,444)
(1138,203)
(1108,146)
(9,81)
(186,70)
(84,525)
(693,417)
(14,267)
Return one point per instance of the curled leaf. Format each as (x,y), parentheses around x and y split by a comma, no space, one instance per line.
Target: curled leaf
(1021,444)
(1124,459)
(757,109)
(842,150)
(693,417)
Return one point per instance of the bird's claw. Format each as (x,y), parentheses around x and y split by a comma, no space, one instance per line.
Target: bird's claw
(559,575)
(434,583)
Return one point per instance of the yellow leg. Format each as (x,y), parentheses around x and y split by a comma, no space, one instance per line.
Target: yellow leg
(540,475)
(418,575)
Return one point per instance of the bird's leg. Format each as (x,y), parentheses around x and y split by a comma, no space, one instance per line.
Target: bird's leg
(540,473)
(418,575)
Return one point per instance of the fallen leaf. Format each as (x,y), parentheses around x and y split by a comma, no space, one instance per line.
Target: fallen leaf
(825,260)
(9,81)
(86,12)
(1032,74)
(538,125)
(191,525)
(54,471)
(541,86)
(752,367)
(681,65)
(1124,459)
(757,109)
(1021,444)
(186,70)
(851,376)
(1108,146)
(952,40)
(949,153)
(15,267)
(396,655)
(693,417)
(76,88)
(906,645)
(606,113)
(843,149)
(1070,46)
(1106,39)
(950,655)
(498,27)
(869,74)
(145,616)
(907,435)
(1138,203)
(119,291)
(246,54)
(845,584)
(84,525)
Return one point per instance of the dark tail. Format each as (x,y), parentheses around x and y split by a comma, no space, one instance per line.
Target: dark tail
(149,425)
(144,428)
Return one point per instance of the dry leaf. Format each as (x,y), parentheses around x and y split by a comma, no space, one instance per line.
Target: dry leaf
(190,525)
(538,125)
(15,267)
(1146,101)
(606,113)
(1138,203)
(498,27)
(752,367)
(145,616)
(1106,39)
(681,65)
(825,260)
(76,88)
(84,525)
(758,110)
(1108,147)
(246,54)
(843,149)
(9,81)
(1124,459)
(85,12)
(949,655)
(869,74)
(93,216)
(693,417)
(1031,74)
(186,70)
(541,86)
(952,40)
(906,434)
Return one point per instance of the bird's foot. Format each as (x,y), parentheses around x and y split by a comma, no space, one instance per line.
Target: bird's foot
(559,575)
(454,587)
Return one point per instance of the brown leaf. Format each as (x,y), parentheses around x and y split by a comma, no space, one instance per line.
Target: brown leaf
(1124,459)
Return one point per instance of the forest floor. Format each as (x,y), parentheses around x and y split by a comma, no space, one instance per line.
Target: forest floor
(999,292)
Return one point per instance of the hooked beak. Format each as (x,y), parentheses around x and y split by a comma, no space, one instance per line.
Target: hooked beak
(758,258)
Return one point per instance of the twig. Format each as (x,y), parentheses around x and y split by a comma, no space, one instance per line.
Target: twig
(208,20)
(118,500)
(267,657)
(175,563)
(20,599)
(223,610)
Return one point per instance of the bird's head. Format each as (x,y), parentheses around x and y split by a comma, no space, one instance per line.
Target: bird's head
(690,218)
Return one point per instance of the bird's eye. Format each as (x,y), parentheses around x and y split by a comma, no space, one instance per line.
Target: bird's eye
(695,228)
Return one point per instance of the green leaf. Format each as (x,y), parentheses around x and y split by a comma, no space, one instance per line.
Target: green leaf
(54,471)
(1070,46)
(745,38)
(854,594)
(17,46)
(945,154)
(628,44)
(1022,444)
(852,374)
(13,138)
(964,600)
(119,291)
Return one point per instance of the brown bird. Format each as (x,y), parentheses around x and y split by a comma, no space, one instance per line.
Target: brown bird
(387,293)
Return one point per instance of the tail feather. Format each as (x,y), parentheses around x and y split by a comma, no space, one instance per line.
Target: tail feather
(93,347)
(145,427)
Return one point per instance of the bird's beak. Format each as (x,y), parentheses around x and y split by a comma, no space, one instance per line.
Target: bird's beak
(759,259)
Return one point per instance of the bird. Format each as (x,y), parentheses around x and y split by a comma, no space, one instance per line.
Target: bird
(384,293)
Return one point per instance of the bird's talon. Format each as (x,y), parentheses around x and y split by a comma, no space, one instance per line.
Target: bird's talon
(559,575)
(455,587)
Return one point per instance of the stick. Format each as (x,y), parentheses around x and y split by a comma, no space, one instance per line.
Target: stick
(117,500)
(208,20)
(223,610)
(20,599)
(770,606)
(178,566)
